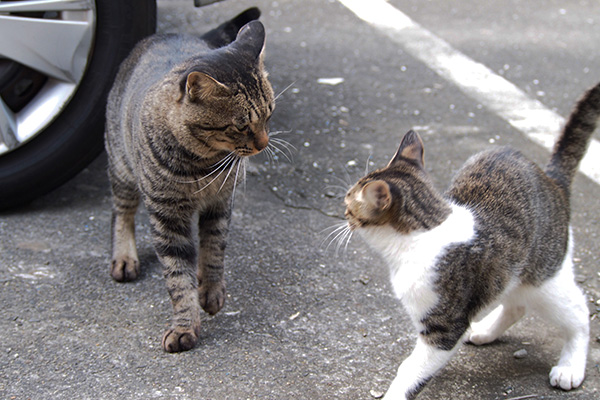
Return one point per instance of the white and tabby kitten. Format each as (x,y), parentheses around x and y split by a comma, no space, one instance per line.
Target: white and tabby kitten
(498,239)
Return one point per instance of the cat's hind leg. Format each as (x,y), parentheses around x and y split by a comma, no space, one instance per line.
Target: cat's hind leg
(125,265)
(495,323)
(562,303)
(213,228)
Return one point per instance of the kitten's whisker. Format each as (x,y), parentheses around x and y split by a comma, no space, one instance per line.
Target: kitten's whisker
(346,185)
(344,189)
(367,165)
(348,238)
(335,234)
(284,90)
(333,228)
(341,238)
(327,239)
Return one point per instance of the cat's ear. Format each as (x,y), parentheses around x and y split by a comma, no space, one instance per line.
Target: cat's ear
(411,148)
(251,40)
(200,86)
(377,194)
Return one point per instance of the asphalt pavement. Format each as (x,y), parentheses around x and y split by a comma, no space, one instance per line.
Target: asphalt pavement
(304,320)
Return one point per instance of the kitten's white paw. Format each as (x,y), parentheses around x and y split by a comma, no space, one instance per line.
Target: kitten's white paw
(566,377)
(480,337)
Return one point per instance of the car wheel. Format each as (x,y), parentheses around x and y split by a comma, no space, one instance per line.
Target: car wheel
(58,59)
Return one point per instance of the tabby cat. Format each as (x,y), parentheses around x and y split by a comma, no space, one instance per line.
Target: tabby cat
(182,116)
(499,237)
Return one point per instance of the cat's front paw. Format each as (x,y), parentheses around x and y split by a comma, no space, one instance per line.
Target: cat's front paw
(125,269)
(566,377)
(178,339)
(212,296)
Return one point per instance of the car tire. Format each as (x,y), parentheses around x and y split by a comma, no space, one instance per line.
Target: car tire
(76,135)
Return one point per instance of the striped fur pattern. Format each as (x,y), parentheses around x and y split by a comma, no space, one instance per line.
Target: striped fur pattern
(498,239)
(184,114)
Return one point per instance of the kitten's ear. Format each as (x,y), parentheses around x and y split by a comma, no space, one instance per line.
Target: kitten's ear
(411,148)
(377,194)
(251,40)
(200,86)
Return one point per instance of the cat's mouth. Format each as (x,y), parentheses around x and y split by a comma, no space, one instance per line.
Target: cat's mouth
(246,151)
(256,144)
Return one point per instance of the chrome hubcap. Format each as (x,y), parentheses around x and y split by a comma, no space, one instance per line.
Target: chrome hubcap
(45,47)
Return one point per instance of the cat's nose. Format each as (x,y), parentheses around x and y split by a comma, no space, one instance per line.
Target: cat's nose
(261,140)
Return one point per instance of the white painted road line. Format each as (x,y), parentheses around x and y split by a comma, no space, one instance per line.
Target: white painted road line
(527,115)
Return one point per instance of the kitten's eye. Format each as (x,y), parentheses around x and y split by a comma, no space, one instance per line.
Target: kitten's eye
(242,128)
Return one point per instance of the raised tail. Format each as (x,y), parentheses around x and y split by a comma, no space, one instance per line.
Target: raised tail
(575,138)
(226,33)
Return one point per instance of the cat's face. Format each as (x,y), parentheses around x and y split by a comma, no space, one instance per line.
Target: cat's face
(393,195)
(226,99)
(231,117)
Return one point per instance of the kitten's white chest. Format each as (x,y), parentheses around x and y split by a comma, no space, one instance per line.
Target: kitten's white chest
(412,257)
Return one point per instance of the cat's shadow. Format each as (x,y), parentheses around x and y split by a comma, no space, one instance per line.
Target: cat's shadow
(88,190)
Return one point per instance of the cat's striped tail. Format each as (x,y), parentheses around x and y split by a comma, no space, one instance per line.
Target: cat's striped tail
(226,33)
(574,139)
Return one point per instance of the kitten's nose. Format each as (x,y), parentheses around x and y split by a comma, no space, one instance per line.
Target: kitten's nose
(261,140)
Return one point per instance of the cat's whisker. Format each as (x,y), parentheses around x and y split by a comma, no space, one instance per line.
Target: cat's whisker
(284,90)
(285,144)
(275,133)
(274,144)
(240,163)
(269,153)
(244,168)
(220,162)
(222,169)
(216,165)
(231,166)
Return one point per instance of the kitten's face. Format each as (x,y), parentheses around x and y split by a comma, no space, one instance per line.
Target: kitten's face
(397,195)
(368,202)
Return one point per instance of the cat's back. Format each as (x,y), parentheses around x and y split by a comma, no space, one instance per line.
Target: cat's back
(152,59)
